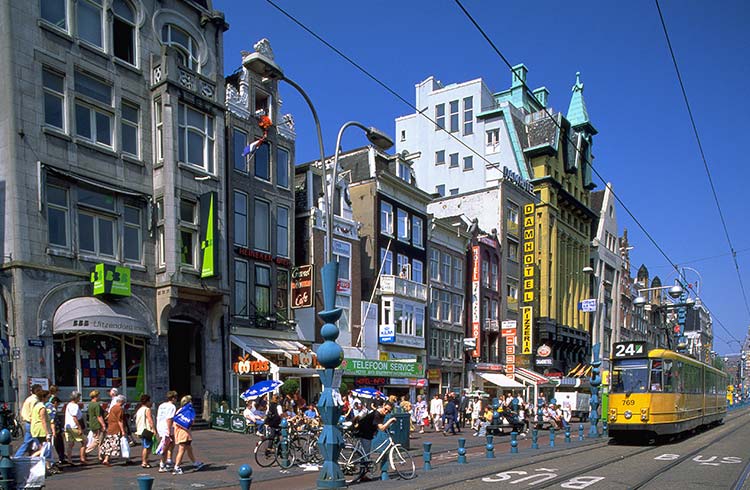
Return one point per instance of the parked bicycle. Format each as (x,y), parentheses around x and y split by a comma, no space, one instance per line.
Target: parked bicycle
(355,463)
(301,448)
(9,421)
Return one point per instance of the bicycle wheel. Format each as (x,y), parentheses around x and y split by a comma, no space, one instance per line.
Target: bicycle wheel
(290,456)
(350,462)
(265,453)
(313,452)
(402,462)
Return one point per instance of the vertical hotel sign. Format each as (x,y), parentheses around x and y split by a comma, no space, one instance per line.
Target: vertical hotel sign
(208,230)
(528,278)
(476,331)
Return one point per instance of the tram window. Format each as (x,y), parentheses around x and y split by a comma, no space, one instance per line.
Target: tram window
(670,382)
(656,370)
(630,376)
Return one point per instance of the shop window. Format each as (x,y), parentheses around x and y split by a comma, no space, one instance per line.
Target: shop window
(65,362)
(262,230)
(262,290)
(282,294)
(240,289)
(53,11)
(129,129)
(239,142)
(89,21)
(282,231)
(282,168)
(54,99)
(57,215)
(132,237)
(240,218)
(195,138)
(262,162)
(185,45)
(188,233)
(123,31)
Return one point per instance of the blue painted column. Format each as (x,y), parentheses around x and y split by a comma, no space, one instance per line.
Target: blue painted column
(427,456)
(596,381)
(330,355)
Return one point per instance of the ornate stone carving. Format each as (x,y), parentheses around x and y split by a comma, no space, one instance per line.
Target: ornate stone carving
(264,47)
(157,74)
(207,90)
(186,80)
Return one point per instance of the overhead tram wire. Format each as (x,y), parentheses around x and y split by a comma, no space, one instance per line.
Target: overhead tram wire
(585,160)
(491,164)
(703,156)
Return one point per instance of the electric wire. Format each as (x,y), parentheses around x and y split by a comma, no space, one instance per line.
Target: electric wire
(703,156)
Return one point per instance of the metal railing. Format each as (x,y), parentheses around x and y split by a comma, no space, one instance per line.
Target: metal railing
(403,287)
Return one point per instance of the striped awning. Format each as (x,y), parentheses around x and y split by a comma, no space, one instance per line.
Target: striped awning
(531,378)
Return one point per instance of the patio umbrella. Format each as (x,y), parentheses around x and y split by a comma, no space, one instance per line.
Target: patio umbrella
(261,388)
(367,392)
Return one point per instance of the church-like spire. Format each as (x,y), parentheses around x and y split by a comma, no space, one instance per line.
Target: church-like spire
(577,113)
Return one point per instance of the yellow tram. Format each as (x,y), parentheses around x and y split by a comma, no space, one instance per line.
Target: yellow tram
(655,392)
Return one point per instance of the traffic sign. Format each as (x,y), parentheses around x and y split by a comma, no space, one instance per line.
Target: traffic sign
(587,305)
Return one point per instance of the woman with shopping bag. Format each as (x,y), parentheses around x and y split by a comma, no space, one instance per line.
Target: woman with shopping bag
(112,445)
(182,422)
(144,427)
(42,432)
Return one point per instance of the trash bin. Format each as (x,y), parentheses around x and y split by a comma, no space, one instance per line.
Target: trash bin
(400,429)
(30,472)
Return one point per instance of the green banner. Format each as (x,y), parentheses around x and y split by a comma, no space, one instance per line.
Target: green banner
(111,279)
(208,228)
(391,369)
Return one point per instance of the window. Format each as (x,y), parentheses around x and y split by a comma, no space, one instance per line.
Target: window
(417,271)
(93,123)
(196,138)
(493,274)
(512,290)
(57,215)
(54,99)
(434,342)
(453,192)
(282,167)
(434,265)
(435,304)
(342,253)
(96,223)
(386,218)
(440,157)
(445,270)
(416,232)
(187,48)
(512,250)
(282,294)
(486,269)
(161,245)
(493,140)
(403,225)
(240,288)
(239,141)
(53,11)
(445,306)
(402,266)
(129,129)
(262,162)
(454,160)
(89,21)
(159,125)
(418,321)
(386,259)
(458,272)
(468,115)
(132,240)
(404,172)
(345,303)
(457,308)
(262,231)
(439,117)
(123,31)
(188,233)
(282,231)
(469,163)
(262,290)
(454,116)
(440,190)
(403,135)
(511,211)
(240,219)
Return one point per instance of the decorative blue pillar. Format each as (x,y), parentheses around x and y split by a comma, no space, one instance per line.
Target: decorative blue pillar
(551,436)
(513,443)
(534,438)
(567,433)
(7,473)
(461,451)
(246,476)
(580,432)
(490,447)
(145,482)
(596,381)
(330,355)
(427,455)
(284,444)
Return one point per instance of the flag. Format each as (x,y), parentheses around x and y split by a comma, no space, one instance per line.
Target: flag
(253,147)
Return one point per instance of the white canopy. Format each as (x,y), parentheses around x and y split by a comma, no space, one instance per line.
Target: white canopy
(500,380)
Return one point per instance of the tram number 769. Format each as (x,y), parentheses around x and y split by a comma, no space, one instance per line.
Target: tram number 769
(628,402)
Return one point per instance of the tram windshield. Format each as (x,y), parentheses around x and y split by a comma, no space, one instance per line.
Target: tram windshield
(630,376)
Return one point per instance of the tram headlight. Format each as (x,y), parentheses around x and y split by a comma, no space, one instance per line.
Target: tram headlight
(613,414)
(628,414)
(644,414)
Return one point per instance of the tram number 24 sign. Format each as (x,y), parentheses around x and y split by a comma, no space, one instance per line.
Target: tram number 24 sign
(629,349)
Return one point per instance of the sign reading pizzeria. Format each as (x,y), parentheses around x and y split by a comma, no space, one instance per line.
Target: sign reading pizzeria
(302,286)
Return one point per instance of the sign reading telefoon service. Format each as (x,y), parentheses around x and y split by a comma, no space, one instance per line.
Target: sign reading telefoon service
(476,330)
(528,278)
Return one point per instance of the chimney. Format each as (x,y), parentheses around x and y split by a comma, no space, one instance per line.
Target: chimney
(519,76)
(541,94)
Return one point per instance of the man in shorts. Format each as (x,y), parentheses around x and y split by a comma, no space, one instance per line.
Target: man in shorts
(164,428)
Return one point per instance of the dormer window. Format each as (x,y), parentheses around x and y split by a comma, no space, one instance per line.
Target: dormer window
(262,107)
(186,46)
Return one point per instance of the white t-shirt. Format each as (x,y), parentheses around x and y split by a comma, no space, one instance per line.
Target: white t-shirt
(166,412)
(72,412)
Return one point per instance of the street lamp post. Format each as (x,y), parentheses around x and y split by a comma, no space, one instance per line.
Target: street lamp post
(329,354)
(675,292)
(743,358)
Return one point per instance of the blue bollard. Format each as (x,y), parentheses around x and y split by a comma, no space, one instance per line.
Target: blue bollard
(534,438)
(461,450)
(284,444)
(551,437)
(567,434)
(605,427)
(490,447)
(580,432)
(384,469)
(514,442)
(7,471)
(427,455)
(246,476)
(145,482)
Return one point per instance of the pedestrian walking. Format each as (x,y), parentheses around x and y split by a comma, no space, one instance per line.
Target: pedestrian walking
(464,413)
(183,421)
(115,431)
(57,423)
(144,427)
(96,425)
(28,405)
(41,430)
(436,412)
(74,428)
(422,414)
(450,415)
(165,429)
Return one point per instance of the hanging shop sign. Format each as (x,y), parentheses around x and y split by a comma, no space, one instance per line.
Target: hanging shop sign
(302,286)
(209,222)
(476,329)
(387,334)
(244,365)
(305,360)
(370,367)
(433,375)
(528,253)
(543,350)
(543,361)
(110,279)
(587,305)
(526,329)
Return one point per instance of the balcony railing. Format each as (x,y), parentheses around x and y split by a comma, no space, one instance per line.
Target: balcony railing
(403,287)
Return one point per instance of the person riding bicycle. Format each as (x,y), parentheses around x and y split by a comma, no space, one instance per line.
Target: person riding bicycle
(370,424)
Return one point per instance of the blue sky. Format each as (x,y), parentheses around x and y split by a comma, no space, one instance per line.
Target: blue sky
(645,145)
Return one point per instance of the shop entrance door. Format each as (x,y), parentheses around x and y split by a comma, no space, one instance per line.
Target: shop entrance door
(186,359)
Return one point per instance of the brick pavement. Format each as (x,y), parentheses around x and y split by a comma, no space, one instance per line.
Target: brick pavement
(225,452)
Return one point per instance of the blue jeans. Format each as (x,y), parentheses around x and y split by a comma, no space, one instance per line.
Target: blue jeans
(27,440)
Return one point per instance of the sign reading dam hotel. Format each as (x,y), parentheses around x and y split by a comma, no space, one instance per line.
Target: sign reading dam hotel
(529,286)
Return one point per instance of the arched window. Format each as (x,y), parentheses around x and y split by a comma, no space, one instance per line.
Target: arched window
(123,31)
(172,35)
